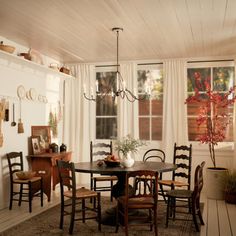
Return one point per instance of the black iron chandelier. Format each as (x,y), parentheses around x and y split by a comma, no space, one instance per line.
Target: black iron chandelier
(121,90)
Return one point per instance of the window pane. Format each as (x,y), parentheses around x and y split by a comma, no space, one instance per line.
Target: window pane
(106,81)
(157,106)
(106,128)
(150,80)
(143,107)
(157,128)
(144,127)
(197,77)
(106,106)
(193,130)
(223,78)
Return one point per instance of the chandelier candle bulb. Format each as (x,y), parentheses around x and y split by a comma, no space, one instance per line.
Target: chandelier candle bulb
(97,88)
(84,88)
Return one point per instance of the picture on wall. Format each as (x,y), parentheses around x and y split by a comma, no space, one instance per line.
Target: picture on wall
(43,132)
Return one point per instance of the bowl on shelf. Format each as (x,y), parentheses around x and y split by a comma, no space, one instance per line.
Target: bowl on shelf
(23,175)
(6,48)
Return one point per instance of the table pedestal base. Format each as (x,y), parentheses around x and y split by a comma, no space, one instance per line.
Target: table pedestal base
(109,216)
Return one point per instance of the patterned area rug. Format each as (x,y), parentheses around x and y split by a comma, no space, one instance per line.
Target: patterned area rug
(47,224)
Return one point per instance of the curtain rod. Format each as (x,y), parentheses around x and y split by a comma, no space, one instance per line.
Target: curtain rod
(210,61)
(141,64)
(161,63)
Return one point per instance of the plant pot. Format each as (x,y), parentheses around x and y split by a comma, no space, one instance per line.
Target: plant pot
(215,182)
(230,197)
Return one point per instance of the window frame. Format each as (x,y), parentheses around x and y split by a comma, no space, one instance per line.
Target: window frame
(211,65)
(102,69)
(151,66)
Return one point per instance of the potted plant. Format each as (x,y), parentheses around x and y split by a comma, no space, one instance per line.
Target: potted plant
(230,187)
(125,147)
(213,127)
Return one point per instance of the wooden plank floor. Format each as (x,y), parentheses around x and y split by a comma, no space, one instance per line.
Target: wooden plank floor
(219,217)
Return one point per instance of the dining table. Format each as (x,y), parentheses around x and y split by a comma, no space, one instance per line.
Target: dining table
(108,216)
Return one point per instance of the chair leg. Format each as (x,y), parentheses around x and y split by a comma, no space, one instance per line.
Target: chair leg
(95,189)
(199,212)
(11,197)
(30,197)
(99,211)
(194,217)
(111,191)
(126,221)
(117,218)
(163,193)
(72,217)
(41,191)
(20,195)
(167,211)
(62,213)
(83,210)
(155,221)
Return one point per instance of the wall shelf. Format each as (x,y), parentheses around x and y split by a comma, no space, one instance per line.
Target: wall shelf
(31,64)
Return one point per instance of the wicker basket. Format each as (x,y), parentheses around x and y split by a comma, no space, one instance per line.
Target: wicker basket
(6,48)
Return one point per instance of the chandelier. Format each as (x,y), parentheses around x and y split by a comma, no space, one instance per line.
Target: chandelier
(121,90)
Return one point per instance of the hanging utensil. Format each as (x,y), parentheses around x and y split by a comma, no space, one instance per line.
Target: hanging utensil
(20,129)
(13,123)
(6,118)
(2,115)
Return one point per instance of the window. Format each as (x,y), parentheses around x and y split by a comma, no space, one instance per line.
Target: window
(221,77)
(150,110)
(106,107)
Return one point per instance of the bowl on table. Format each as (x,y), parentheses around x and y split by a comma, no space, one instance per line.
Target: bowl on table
(111,163)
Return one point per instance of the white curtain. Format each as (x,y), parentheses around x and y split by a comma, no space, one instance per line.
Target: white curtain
(174,107)
(234,124)
(77,130)
(128,111)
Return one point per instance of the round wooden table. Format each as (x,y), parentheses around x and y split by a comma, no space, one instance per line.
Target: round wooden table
(108,217)
(119,171)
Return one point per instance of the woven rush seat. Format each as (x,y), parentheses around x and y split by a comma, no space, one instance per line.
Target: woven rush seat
(81,193)
(33,179)
(180,193)
(105,178)
(173,182)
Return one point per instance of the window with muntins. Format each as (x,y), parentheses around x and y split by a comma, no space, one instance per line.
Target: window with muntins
(150,110)
(221,78)
(106,107)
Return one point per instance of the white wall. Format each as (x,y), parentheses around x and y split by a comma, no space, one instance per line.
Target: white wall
(15,72)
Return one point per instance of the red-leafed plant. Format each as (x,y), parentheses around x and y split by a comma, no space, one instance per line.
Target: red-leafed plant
(214,123)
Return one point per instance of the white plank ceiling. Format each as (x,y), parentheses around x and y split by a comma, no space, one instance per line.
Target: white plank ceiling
(74,31)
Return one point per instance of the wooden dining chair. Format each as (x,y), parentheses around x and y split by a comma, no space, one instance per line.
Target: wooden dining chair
(99,151)
(77,197)
(22,190)
(154,155)
(139,205)
(181,176)
(192,196)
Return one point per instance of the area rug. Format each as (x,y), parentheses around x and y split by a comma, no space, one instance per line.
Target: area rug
(47,224)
